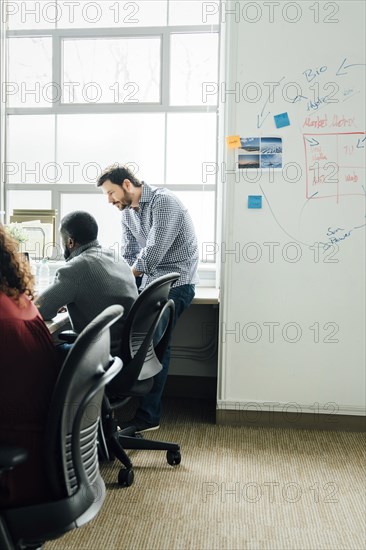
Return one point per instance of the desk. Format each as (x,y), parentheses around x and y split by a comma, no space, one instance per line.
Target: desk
(194,345)
(204,295)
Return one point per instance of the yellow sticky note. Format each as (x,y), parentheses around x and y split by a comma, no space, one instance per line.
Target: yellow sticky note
(233,142)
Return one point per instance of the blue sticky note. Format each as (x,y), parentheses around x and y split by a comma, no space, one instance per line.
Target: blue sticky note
(282,120)
(254,201)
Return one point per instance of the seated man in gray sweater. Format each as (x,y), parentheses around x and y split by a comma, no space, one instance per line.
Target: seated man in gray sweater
(91,280)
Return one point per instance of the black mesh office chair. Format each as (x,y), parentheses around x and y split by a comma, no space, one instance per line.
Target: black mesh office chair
(70,451)
(142,361)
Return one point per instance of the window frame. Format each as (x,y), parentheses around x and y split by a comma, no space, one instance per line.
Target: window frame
(207,269)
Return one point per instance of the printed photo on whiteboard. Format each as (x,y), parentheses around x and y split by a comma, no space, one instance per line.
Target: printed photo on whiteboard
(248,162)
(260,152)
(271,145)
(250,145)
(271,161)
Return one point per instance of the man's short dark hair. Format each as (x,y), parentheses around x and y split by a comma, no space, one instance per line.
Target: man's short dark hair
(117,174)
(80,226)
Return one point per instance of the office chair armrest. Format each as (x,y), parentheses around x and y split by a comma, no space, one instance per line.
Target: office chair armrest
(11,456)
(68,336)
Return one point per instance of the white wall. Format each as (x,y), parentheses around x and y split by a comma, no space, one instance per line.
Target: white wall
(292,316)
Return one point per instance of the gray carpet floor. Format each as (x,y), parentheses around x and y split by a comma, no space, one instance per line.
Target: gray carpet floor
(236,488)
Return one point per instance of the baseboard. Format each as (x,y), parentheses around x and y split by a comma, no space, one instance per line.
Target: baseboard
(196,387)
(350,423)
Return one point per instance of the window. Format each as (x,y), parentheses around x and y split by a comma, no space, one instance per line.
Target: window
(93,83)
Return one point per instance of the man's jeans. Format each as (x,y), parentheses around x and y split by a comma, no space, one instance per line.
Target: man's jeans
(150,405)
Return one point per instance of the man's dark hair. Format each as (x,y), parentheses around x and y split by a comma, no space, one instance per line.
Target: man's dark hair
(117,174)
(80,226)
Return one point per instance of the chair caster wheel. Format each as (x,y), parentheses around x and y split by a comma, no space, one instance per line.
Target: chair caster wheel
(125,477)
(173,457)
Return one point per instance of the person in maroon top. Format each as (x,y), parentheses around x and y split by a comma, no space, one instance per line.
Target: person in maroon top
(29,366)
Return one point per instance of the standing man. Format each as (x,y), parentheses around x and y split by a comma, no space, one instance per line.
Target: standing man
(91,279)
(158,238)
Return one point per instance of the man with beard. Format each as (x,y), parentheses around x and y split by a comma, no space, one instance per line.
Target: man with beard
(91,279)
(158,237)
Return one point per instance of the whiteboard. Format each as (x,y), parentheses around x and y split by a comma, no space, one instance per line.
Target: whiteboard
(293,284)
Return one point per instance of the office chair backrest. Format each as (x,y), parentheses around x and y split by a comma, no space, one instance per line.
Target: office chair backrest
(71,459)
(86,362)
(142,356)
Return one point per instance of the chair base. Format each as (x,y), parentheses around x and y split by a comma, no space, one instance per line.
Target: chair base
(136,441)
(127,439)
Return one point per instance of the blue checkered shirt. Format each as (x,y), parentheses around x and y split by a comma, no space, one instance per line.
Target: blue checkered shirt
(159,237)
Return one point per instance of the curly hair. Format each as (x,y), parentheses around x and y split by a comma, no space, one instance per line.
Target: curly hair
(15,273)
